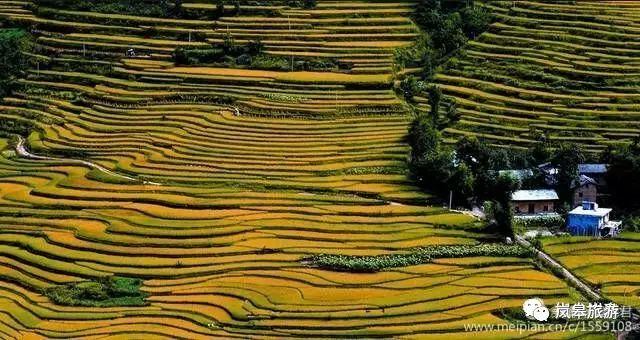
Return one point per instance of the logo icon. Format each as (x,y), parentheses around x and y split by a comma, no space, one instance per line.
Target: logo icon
(535,309)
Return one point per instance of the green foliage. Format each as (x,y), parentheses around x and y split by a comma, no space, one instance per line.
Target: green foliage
(306,4)
(195,56)
(150,8)
(18,127)
(449,23)
(475,20)
(13,61)
(410,87)
(447,35)
(111,291)
(420,54)
(435,97)
(309,4)
(369,264)
(632,223)
(231,54)
(254,47)
(623,177)
(498,208)
(548,222)
(566,159)
(219,8)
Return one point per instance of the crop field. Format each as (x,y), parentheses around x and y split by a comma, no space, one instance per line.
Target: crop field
(611,265)
(224,261)
(361,37)
(567,70)
(211,184)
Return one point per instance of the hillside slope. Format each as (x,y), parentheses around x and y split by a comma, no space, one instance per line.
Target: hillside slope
(223,207)
(569,70)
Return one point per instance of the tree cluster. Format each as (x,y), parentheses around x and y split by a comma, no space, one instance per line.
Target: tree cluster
(623,177)
(14,44)
(448,25)
(469,170)
(151,8)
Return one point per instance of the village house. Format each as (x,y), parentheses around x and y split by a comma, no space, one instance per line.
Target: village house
(597,172)
(590,220)
(590,186)
(531,202)
(584,189)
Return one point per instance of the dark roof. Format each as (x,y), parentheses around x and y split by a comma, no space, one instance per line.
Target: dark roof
(593,168)
(583,180)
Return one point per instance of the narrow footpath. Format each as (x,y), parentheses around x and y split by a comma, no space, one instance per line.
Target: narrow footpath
(22,151)
(576,282)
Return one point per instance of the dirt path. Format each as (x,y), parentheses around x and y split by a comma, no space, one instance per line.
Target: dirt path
(21,149)
(562,271)
(583,287)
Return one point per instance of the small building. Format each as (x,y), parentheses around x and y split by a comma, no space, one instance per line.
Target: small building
(590,220)
(597,172)
(530,202)
(549,172)
(584,189)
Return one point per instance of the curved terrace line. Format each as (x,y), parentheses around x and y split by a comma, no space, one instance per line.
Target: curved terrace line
(21,149)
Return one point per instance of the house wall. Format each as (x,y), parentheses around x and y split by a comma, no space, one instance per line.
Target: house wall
(587,192)
(583,224)
(522,207)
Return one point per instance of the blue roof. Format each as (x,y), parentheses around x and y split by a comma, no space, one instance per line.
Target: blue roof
(592,168)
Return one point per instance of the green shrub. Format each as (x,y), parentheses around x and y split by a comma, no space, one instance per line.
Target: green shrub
(552,221)
(150,8)
(369,264)
(13,45)
(110,291)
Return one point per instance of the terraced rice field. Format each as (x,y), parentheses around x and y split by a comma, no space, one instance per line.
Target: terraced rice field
(219,209)
(609,264)
(363,37)
(569,70)
(224,261)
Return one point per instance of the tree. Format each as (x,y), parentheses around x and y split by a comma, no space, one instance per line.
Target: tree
(435,96)
(409,87)
(540,152)
(432,164)
(623,177)
(453,115)
(219,8)
(435,170)
(228,44)
(308,4)
(449,36)
(255,47)
(462,183)
(483,162)
(236,8)
(566,160)
(476,19)
(427,65)
(502,189)
(13,45)
(424,138)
